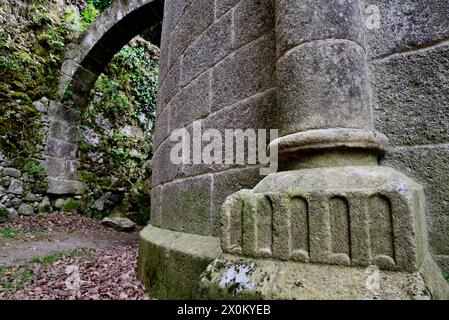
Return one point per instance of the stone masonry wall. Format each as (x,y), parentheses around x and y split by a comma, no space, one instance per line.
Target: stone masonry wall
(217,65)
(409,58)
(23,192)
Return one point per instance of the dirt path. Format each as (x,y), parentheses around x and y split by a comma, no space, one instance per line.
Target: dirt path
(17,252)
(41,257)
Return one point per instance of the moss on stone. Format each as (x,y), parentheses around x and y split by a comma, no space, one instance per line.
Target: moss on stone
(32,42)
(87,177)
(70,206)
(166,265)
(105,183)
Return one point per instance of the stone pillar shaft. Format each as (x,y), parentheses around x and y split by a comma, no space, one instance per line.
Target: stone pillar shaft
(323,89)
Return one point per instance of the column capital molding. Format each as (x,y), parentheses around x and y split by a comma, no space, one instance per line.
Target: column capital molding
(334,138)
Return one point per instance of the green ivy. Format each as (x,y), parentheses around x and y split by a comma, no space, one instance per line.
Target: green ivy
(34,168)
(37,172)
(89,15)
(100,5)
(84,146)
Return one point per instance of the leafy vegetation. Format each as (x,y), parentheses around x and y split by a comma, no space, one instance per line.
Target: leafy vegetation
(100,5)
(8,233)
(34,168)
(32,44)
(33,39)
(14,279)
(37,173)
(124,97)
(53,257)
(70,206)
(89,14)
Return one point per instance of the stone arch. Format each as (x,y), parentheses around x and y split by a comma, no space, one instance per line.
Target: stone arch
(83,64)
(113,29)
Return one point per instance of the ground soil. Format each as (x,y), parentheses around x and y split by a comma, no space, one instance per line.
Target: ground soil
(60,256)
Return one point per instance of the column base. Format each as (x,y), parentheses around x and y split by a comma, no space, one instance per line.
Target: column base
(170,263)
(324,228)
(234,277)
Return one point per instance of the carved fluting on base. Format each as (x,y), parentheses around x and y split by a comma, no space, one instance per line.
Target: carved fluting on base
(352,216)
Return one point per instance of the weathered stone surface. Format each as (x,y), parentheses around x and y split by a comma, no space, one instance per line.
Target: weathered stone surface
(303,21)
(122,224)
(227,183)
(358,216)
(167,170)
(209,48)
(169,88)
(231,277)
(412,107)
(5,181)
(40,106)
(258,111)
(212,122)
(222,6)
(60,149)
(25,210)
(189,210)
(58,110)
(120,211)
(251,19)
(334,147)
(61,187)
(11,172)
(59,203)
(443,262)
(62,130)
(15,187)
(12,214)
(324,85)
(44,206)
(170,263)
(29,197)
(162,126)
(156,205)
(197,18)
(246,72)
(429,165)
(405,25)
(172,14)
(164,58)
(55,167)
(4,214)
(69,67)
(191,103)
(16,202)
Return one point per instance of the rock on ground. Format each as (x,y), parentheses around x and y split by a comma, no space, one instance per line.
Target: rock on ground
(122,224)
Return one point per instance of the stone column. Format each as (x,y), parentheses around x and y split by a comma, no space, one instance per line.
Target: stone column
(323,91)
(331,208)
